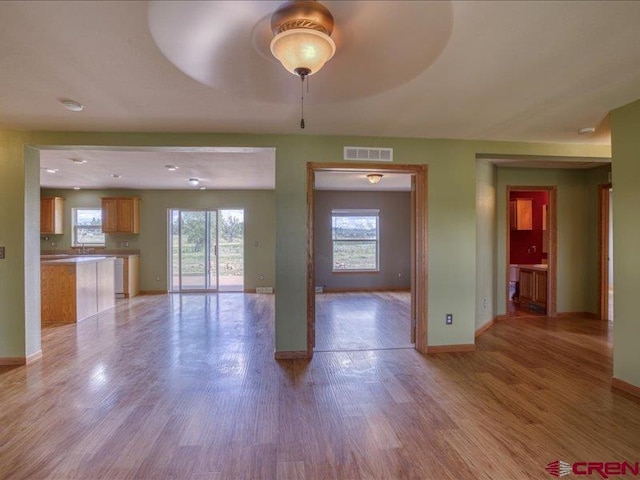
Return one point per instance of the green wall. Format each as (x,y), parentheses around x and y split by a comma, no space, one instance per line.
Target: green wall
(625,144)
(451,203)
(259,207)
(577,232)
(485,241)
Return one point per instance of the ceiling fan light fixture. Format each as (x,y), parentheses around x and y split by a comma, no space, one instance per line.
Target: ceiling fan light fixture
(194,182)
(302,36)
(374,178)
(303,51)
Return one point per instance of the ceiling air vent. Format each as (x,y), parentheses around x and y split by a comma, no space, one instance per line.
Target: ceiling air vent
(367,154)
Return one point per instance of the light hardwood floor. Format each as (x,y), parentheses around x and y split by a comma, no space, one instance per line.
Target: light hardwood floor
(186,387)
(363,321)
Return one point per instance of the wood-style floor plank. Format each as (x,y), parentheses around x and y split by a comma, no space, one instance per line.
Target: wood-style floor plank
(363,321)
(186,387)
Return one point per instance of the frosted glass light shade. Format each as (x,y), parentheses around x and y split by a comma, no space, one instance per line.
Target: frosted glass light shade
(374,177)
(302,48)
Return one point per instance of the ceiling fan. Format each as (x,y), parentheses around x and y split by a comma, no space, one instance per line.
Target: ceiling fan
(230,45)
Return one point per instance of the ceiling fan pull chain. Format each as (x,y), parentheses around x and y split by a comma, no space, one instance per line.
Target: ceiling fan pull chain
(302,102)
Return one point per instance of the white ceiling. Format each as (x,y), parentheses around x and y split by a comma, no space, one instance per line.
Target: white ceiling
(525,70)
(215,168)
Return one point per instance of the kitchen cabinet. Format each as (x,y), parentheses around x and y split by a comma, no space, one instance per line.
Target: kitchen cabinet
(51,215)
(533,287)
(121,215)
(521,214)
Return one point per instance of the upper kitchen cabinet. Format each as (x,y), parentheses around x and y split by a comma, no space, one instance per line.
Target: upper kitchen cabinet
(51,215)
(121,215)
(521,213)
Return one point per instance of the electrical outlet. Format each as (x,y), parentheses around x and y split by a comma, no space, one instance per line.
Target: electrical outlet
(484,303)
(256,243)
(261,277)
(449,320)
(157,279)
(1,253)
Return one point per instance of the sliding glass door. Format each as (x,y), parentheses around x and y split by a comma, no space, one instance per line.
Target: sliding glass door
(193,246)
(206,250)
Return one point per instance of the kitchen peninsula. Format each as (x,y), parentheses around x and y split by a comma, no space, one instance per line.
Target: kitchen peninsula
(76,288)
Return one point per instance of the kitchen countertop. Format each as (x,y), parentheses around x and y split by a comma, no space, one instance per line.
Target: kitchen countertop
(51,256)
(539,267)
(74,260)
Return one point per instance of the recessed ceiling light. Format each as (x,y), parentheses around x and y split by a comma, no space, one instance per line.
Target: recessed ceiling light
(79,161)
(194,181)
(72,105)
(203,188)
(115,175)
(171,168)
(76,188)
(586,130)
(52,170)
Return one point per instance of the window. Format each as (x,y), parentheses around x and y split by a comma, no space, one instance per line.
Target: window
(87,226)
(355,239)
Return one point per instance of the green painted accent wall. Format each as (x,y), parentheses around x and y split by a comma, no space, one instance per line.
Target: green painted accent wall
(451,203)
(485,242)
(152,241)
(577,235)
(625,144)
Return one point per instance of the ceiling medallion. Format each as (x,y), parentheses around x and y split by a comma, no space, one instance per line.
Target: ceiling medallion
(302,41)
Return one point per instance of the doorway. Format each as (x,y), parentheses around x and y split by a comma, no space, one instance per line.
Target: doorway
(418,225)
(206,250)
(605,246)
(362,246)
(531,251)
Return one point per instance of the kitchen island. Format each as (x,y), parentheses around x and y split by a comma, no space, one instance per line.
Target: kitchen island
(76,288)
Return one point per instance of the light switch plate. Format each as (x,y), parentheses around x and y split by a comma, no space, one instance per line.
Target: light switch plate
(1,253)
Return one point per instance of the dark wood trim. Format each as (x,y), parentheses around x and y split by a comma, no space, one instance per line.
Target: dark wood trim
(154,292)
(295,355)
(12,361)
(484,327)
(465,347)
(421,266)
(617,384)
(603,250)
(311,276)
(420,172)
(552,254)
